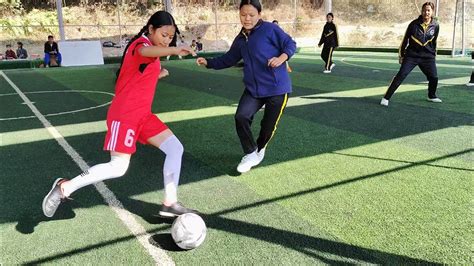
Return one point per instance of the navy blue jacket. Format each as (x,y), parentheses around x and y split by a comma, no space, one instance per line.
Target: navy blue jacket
(420,40)
(266,40)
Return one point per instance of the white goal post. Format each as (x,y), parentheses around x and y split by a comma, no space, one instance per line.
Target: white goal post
(459,32)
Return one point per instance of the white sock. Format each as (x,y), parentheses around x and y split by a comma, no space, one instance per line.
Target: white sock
(173,149)
(117,167)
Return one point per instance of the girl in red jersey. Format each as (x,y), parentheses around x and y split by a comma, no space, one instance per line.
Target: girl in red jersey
(130,119)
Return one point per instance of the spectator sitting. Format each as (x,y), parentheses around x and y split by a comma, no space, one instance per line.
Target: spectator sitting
(52,57)
(21,52)
(194,45)
(10,54)
(199,44)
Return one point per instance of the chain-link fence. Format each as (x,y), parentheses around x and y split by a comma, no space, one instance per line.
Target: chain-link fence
(361,23)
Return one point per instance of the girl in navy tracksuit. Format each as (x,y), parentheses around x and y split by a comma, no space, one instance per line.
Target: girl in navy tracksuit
(418,48)
(330,40)
(265,48)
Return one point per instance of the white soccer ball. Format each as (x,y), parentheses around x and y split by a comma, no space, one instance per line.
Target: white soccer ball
(188,231)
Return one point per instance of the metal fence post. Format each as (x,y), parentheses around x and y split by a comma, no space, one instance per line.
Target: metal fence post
(59,10)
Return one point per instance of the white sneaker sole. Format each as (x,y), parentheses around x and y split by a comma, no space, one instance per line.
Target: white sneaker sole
(167,214)
(245,170)
(436,100)
(46,197)
(384,103)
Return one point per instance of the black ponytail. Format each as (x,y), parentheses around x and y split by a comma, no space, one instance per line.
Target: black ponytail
(157,20)
(254,3)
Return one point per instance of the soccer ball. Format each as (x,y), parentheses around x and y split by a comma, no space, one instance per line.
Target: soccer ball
(188,231)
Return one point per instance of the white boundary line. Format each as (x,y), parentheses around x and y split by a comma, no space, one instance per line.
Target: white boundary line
(60,113)
(159,256)
(344,60)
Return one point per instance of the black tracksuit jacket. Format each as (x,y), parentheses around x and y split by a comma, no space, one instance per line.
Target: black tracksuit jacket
(420,40)
(329,35)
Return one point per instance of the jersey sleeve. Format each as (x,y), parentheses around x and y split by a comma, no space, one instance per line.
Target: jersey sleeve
(136,49)
(137,57)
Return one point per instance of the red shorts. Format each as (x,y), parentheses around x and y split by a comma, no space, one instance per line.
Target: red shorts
(123,135)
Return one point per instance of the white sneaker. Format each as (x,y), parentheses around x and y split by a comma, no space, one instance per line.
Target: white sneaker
(327,71)
(434,100)
(332,66)
(384,102)
(470,84)
(248,161)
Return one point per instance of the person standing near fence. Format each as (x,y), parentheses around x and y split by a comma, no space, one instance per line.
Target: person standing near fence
(130,119)
(264,48)
(418,48)
(329,38)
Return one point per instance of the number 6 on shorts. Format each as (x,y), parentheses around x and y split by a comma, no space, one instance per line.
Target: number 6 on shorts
(129,138)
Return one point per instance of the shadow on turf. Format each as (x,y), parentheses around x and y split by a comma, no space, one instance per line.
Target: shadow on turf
(353,117)
(408,162)
(315,247)
(164,241)
(350,114)
(28,221)
(81,250)
(344,182)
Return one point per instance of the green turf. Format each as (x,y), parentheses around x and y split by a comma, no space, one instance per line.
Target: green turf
(344,179)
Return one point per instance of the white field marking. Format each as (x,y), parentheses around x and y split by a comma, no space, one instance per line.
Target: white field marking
(344,60)
(32,135)
(158,255)
(355,59)
(60,113)
(358,58)
(378,56)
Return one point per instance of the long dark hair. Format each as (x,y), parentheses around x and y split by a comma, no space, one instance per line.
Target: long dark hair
(157,20)
(254,3)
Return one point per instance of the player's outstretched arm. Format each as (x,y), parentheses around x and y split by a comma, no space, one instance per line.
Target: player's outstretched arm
(155,51)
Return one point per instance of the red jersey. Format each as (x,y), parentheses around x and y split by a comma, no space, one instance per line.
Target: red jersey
(136,84)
